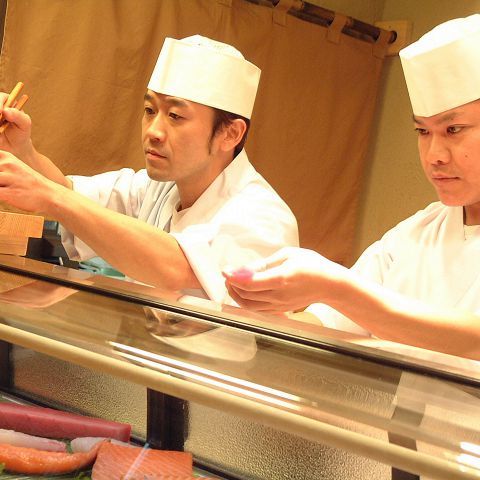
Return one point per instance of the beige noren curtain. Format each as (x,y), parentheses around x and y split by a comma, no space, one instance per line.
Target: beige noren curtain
(86,64)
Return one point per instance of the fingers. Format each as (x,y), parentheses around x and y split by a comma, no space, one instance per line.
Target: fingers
(259,265)
(11,168)
(277,258)
(263,264)
(255,305)
(3,100)
(8,159)
(10,106)
(18,105)
(261,274)
(245,272)
(12,97)
(6,101)
(271,279)
(274,299)
(242,273)
(15,118)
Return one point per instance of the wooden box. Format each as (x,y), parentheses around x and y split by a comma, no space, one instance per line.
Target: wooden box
(15,230)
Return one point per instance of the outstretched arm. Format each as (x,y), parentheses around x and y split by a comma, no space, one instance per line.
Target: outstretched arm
(32,182)
(139,250)
(292,278)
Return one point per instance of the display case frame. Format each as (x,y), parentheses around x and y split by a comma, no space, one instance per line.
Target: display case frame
(169,393)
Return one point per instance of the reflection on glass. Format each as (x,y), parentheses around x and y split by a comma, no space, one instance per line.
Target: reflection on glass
(314,381)
(201,338)
(207,377)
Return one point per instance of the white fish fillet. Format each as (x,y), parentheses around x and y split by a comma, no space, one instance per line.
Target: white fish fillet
(18,439)
(85,444)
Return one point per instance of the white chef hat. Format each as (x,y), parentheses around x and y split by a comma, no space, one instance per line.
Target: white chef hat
(442,68)
(208,72)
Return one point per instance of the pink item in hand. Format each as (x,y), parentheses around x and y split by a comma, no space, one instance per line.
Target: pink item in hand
(243,273)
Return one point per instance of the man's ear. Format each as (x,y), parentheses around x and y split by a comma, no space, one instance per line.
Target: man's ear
(232,134)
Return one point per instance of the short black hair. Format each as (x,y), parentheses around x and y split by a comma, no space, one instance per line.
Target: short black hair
(221,119)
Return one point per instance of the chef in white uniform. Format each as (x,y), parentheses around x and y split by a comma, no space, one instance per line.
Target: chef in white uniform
(419,284)
(199,204)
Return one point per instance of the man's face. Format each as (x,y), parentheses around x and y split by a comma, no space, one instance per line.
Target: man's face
(449,146)
(175,136)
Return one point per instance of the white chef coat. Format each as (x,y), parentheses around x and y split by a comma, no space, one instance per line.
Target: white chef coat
(426,257)
(238,218)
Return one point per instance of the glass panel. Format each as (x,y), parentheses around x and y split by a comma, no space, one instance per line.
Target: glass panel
(228,440)
(67,386)
(315,389)
(406,357)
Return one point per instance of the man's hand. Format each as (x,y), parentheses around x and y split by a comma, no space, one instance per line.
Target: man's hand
(24,188)
(289,280)
(16,138)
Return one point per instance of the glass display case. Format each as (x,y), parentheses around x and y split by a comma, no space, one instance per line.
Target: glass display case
(250,396)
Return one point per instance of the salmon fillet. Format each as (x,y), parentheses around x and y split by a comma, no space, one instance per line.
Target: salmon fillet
(41,462)
(117,462)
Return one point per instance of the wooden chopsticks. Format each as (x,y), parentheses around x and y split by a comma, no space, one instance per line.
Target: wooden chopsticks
(13,103)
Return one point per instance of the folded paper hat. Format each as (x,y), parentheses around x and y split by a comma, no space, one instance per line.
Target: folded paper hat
(442,68)
(208,72)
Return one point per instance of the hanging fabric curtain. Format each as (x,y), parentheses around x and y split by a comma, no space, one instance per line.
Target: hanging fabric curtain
(86,64)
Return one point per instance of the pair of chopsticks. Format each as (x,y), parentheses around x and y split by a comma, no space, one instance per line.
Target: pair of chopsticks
(13,103)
